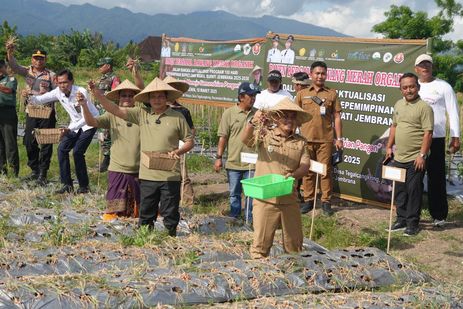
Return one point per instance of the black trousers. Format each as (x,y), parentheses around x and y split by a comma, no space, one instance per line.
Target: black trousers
(162,197)
(9,154)
(38,156)
(437,190)
(409,195)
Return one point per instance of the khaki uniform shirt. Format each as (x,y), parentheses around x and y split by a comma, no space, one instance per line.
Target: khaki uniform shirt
(412,120)
(281,155)
(160,137)
(232,126)
(320,128)
(125,147)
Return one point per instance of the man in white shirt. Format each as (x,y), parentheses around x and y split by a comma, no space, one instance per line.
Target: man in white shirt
(287,54)
(274,93)
(274,54)
(77,136)
(441,97)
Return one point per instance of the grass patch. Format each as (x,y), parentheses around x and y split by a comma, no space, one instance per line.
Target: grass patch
(60,233)
(144,236)
(198,164)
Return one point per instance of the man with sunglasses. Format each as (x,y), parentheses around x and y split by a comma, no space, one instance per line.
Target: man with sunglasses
(39,80)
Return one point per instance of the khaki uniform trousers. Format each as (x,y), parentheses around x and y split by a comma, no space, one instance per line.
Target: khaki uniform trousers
(320,152)
(267,218)
(187,195)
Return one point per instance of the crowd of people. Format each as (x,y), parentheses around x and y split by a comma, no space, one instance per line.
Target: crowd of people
(286,132)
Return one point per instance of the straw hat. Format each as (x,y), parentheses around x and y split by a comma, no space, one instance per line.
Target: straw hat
(287,104)
(182,86)
(113,95)
(255,69)
(157,85)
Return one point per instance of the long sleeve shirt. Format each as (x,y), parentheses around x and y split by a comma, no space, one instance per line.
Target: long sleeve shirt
(70,105)
(443,101)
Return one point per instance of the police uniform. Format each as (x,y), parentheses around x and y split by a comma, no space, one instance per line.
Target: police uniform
(37,83)
(278,155)
(319,133)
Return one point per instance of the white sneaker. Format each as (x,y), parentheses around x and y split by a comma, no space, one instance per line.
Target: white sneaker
(438,223)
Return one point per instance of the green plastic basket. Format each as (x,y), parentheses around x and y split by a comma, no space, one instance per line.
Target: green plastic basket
(267,186)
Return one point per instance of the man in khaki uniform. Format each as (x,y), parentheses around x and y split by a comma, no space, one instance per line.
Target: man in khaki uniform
(280,151)
(324,106)
(39,80)
(231,127)
(161,129)
(411,132)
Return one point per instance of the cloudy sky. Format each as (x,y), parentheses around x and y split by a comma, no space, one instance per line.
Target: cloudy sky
(352,17)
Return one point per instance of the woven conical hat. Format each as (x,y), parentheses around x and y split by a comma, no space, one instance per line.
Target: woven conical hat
(287,104)
(182,86)
(157,85)
(256,67)
(113,95)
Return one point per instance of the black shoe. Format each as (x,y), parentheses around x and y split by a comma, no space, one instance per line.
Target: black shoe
(104,164)
(411,231)
(306,207)
(326,207)
(34,175)
(65,189)
(83,190)
(397,226)
(42,180)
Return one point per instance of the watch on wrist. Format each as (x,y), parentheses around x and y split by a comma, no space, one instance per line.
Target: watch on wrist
(339,139)
(423,155)
(218,157)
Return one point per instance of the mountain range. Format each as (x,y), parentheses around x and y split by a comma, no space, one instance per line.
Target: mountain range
(121,25)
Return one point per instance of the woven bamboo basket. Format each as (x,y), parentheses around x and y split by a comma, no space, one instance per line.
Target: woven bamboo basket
(157,161)
(47,136)
(39,111)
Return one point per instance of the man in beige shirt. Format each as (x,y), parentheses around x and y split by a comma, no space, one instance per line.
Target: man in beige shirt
(161,129)
(231,126)
(411,132)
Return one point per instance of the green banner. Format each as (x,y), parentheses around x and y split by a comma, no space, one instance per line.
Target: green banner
(366,76)
(365,73)
(214,70)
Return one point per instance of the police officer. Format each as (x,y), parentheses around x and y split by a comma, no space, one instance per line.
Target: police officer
(108,81)
(39,80)
(323,104)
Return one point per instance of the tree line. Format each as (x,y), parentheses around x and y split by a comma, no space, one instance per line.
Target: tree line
(83,49)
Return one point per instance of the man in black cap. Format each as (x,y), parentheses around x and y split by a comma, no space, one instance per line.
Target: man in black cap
(39,80)
(230,130)
(274,54)
(287,54)
(108,81)
(274,92)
